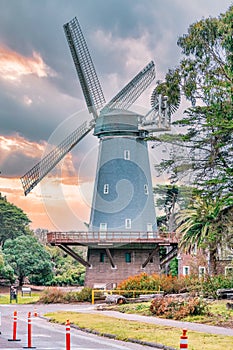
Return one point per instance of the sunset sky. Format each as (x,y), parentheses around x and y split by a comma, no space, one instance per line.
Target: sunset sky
(41,100)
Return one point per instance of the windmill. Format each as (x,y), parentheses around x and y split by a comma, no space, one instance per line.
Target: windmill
(123,195)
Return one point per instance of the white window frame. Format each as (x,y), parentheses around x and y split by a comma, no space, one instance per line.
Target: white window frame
(186,267)
(146,189)
(149,227)
(194,249)
(127,154)
(228,268)
(103,226)
(201,271)
(106,188)
(128,223)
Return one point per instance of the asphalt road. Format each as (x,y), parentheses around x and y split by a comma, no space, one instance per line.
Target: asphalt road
(50,336)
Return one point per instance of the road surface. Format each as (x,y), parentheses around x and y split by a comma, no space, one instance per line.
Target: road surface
(50,336)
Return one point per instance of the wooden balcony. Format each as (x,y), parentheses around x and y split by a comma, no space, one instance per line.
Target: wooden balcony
(109,238)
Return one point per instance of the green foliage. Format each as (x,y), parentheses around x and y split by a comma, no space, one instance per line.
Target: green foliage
(174,267)
(204,77)
(169,199)
(6,271)
(210,285)
(206,223)
(13,221)
(85,294)
(178,308)
(202,150)
(67,271)
(72,276)
(28,258)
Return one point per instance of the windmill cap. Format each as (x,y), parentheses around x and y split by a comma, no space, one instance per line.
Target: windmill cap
(117,122)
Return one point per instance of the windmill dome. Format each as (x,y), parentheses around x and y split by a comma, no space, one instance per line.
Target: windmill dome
(117,122)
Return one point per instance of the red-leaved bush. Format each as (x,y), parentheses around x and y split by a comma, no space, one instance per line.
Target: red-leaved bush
(177,307)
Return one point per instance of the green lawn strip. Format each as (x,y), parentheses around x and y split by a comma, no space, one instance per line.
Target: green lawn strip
(124,330)
(5,299)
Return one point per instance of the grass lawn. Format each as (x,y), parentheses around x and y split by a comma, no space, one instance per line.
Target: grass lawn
(124,329)
(5,298)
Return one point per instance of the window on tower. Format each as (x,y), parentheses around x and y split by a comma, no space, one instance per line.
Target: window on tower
(102,257)
(128,257)
(149,227)
(106,188)
(146,189)
(127,223)
(126,154)
(103,226)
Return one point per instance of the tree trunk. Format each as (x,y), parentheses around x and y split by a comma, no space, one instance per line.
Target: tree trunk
(213,261)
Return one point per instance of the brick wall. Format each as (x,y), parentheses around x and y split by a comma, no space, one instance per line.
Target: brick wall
(199,260)
(103,272)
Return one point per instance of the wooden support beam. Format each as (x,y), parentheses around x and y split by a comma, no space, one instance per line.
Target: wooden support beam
(154,251)
(169,256)
(110,257)
(74,255)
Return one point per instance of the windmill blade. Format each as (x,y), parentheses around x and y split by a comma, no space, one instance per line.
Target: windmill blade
(126,97)
(84,66)
(41,169)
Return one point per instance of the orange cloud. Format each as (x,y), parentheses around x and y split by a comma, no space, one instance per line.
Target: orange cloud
(14,65)
(18,143)
(57,208)
(58,202)
(17,153)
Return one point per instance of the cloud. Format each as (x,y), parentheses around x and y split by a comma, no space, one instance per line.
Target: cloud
(17,154)
(13,65)
(130,54)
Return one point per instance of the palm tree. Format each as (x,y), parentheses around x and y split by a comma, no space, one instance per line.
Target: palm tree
(206,223)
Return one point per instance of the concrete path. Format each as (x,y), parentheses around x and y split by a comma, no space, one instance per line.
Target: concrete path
(166,322)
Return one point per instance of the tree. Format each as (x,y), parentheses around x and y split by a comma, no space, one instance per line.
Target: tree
(28,258)
(205,78)
(13,221)
(67,271)
(6,271)
(206,223)
(169,199)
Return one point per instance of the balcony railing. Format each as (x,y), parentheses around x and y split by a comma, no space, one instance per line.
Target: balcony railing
(109,237)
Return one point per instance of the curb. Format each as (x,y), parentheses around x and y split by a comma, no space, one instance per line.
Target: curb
(113,336)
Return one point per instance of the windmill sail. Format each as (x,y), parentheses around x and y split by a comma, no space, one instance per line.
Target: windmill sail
(84,66)
(126,97)
(41,169)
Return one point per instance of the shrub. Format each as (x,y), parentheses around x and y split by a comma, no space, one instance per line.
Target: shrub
(84,294)
(52,295)
(155,282)
(210,285)
(55,295)
(178,308)
(206,287)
